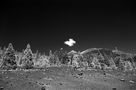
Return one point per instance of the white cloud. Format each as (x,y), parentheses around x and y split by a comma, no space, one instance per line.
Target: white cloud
(70,43)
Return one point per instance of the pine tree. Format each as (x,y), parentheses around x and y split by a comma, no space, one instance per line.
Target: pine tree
(1,56)
(62,56)
(52,58)
(9,61)
(27,60)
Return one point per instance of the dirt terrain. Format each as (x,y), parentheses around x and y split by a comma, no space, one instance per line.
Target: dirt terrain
(66,78)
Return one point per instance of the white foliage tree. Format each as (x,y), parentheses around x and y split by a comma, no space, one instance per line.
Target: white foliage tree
(42,61)
(27,59)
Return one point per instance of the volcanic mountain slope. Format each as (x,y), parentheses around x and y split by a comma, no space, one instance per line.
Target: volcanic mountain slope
(111,58)
(65,78)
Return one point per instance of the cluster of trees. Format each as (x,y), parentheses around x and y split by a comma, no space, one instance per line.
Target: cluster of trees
(11,59)
(99,59)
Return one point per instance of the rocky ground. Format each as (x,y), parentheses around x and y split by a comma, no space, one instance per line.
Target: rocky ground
(65,78)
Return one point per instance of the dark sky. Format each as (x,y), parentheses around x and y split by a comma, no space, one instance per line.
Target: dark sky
(47,24)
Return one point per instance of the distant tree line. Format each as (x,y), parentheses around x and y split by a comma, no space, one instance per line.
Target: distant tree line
(97,59)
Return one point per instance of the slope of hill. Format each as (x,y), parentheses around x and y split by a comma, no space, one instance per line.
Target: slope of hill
(111,58)
(65,78)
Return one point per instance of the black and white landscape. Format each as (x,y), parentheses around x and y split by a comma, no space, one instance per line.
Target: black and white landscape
(91,69)
(67,45)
